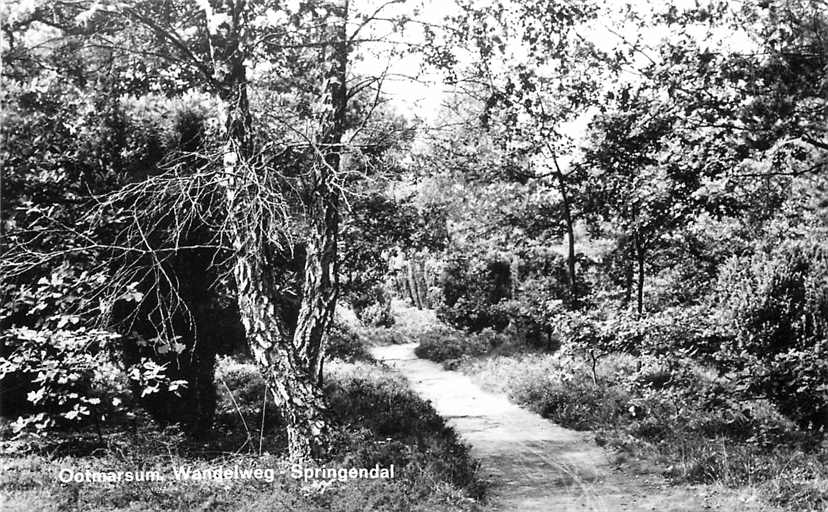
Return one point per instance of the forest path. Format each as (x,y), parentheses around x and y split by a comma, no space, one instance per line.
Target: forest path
(536,465)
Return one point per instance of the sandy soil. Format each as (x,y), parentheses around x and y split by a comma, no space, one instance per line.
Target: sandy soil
(536,465)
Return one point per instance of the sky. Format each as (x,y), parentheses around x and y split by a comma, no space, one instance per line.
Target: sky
(422,98)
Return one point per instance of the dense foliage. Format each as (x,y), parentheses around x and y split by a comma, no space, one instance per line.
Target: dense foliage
(778,305)
(689,214)
(640,189)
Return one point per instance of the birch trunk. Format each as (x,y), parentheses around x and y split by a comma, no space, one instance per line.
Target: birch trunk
(289,363)
(320,286)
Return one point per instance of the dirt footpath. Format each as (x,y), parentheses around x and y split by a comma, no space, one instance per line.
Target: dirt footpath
(536,465)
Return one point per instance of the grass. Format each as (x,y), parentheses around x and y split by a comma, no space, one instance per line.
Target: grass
(379,421)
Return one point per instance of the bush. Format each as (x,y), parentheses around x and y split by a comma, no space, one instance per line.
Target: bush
(479,293)
(543,296)
(777,303)
(674,331)
(554,386)
(56,371)
(346,344)
(471,292)
(373,308)
(577,404)
(241,387)
(378,315)
(443,345)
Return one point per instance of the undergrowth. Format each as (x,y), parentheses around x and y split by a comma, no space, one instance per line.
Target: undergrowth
(378,421)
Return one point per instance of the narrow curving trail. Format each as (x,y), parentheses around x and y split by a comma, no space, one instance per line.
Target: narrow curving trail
(536,465)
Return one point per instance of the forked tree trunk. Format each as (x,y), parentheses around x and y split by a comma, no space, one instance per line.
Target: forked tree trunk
(290,364)
(292,382)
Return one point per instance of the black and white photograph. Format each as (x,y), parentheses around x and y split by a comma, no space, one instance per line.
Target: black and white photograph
(413,255)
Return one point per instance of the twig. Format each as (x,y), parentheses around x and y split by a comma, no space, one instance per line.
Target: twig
(261,431)
(238,410)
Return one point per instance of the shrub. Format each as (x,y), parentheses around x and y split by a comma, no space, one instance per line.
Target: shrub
(544,295)
(554,386)
(578,404)
(443,344)
(346,344)
(373,308)
(56,371)
(471,292)
(674,331)
(242,387)
(378,315)
(409,324)
(777,303)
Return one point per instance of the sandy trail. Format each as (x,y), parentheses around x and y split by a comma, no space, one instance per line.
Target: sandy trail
(536,465)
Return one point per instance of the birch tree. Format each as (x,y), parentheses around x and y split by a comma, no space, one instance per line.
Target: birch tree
(277,194)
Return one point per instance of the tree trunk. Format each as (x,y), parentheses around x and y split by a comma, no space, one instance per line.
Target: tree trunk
(292,382)
(320,287)
(639,254)
(626,254)
(408,290)
(415,291)
(514,276)
(628,280)
(289,364)
(422,284)
(570,231)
